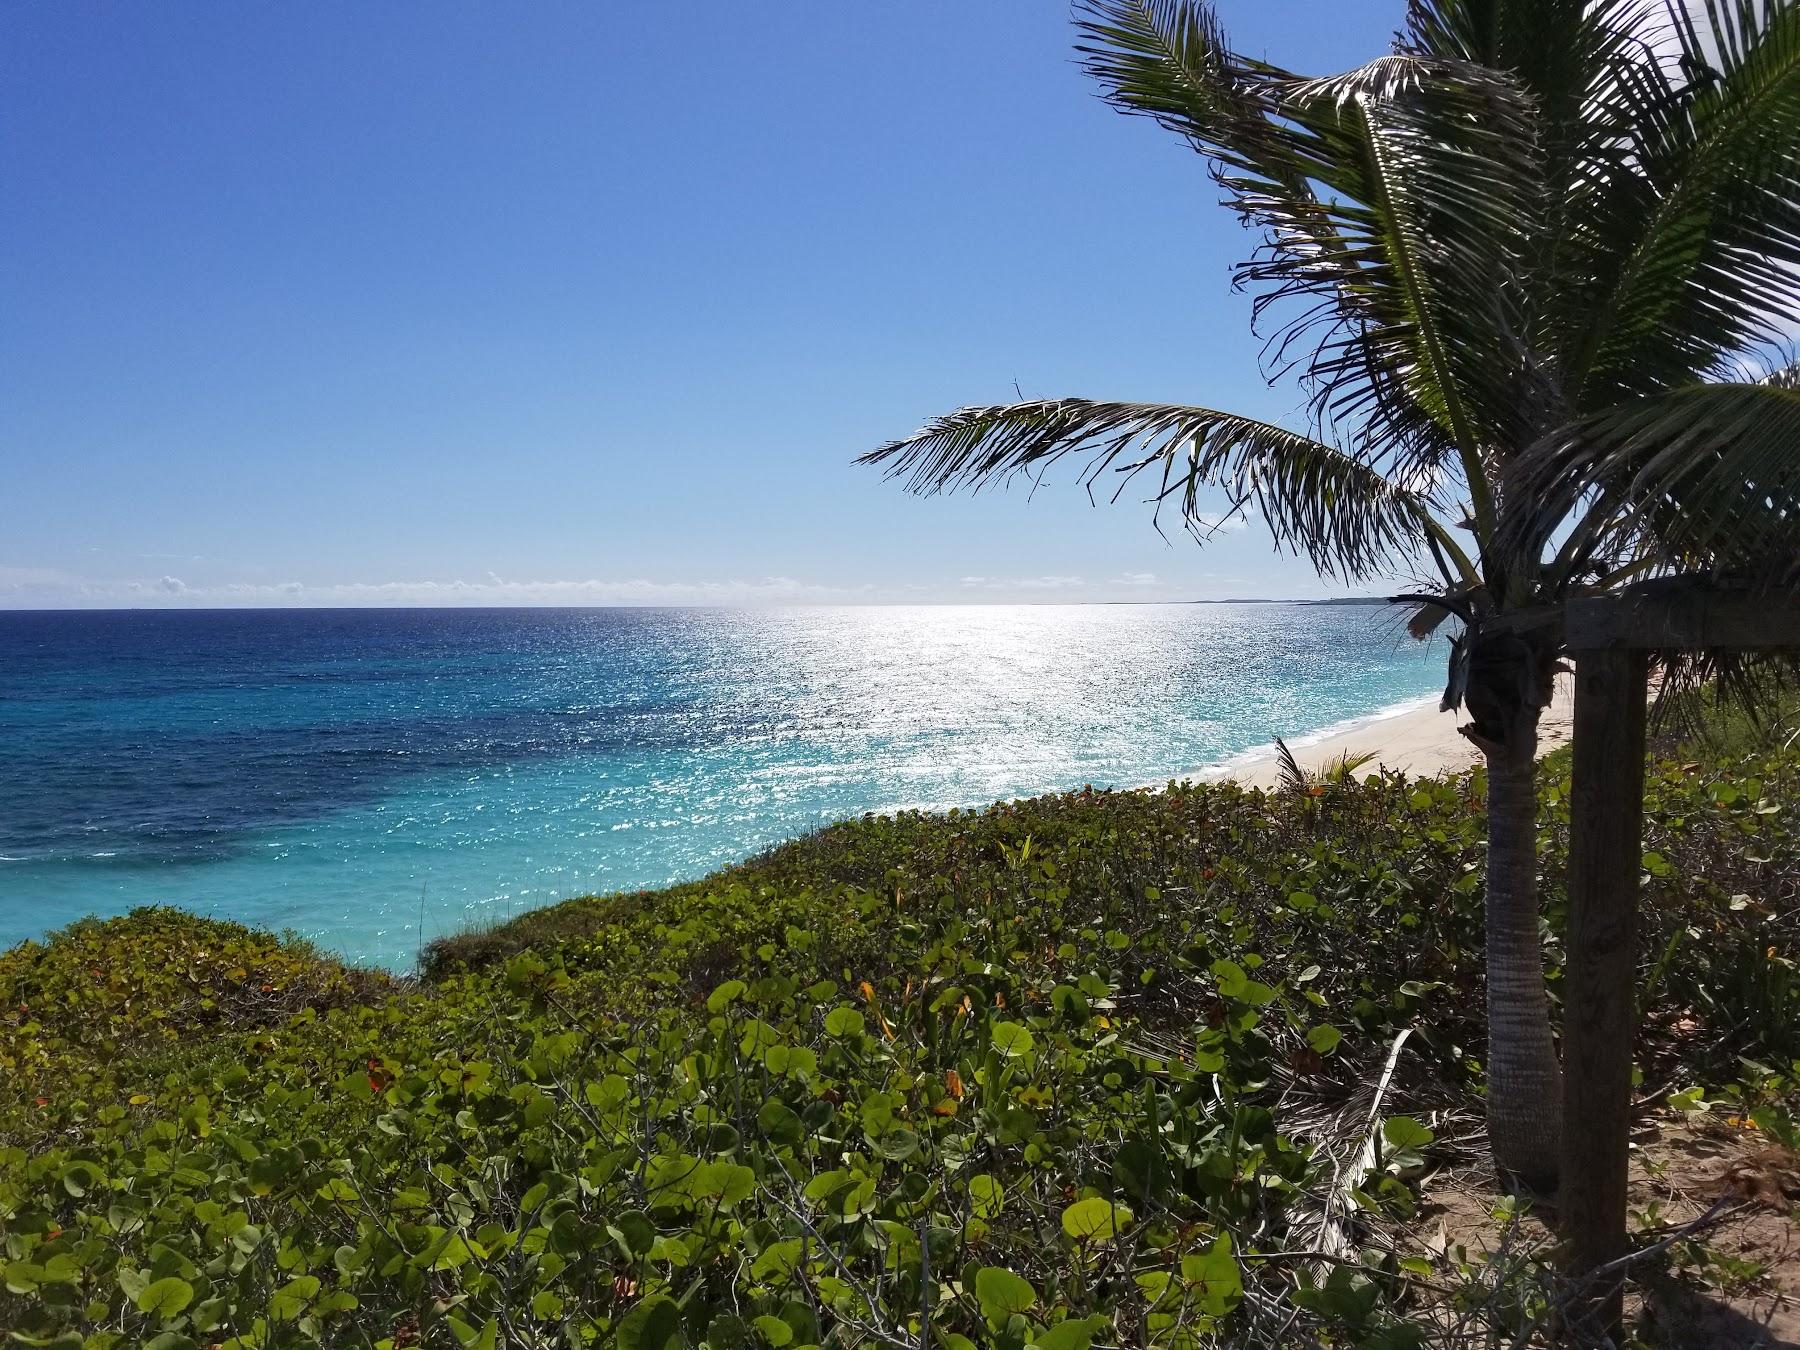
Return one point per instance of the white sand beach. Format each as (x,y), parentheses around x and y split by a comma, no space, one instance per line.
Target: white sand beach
(1415,739)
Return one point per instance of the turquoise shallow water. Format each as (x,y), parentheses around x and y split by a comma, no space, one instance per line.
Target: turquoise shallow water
(322,770)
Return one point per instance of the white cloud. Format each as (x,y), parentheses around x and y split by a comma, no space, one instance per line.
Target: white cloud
(1047,583)
(48,586)
(1225,522)
(51,588)
(496,591)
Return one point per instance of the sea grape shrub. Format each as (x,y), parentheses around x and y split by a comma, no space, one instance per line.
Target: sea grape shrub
(148,983)
(1040,1075)
(1186,877)
(1720,919)
(784,1152)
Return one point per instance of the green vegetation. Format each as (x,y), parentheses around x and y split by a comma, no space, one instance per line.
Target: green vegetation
(1087,1069)
(1701,726)
(128,989)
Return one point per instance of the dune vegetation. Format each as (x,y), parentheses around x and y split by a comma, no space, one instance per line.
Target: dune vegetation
(1105,1068)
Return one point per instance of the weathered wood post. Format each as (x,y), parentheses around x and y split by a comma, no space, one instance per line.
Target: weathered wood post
(1605,847)
(1611,638)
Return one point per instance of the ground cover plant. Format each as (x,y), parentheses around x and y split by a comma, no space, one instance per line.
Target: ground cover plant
(1090,1069)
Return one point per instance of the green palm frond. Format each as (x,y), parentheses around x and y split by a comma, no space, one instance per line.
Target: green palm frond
(1168,60)
(1558,50)
(1590,69)
(1392,197)
(1292,777)
(1705,478)
(1335,772)
(1315,499)
(1431,164)
(1342,768)
(1691,230)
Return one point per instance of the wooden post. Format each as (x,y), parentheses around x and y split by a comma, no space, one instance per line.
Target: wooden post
(1609,636)
(1605,855)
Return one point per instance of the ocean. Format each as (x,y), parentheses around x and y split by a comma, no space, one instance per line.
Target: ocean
(365,776)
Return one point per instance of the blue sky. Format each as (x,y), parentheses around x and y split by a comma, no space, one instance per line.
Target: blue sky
(575,303)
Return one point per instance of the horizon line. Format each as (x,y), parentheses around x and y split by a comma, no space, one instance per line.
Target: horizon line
(791,604)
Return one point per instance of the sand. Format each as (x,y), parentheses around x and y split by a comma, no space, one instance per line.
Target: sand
(1417,740)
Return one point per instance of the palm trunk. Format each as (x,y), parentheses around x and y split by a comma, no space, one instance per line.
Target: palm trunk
(1524,1101)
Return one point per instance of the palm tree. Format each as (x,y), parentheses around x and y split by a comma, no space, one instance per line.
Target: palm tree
(1532,270)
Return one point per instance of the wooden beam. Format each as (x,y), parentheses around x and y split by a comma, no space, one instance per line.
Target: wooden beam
(1689,616)
(1605,854)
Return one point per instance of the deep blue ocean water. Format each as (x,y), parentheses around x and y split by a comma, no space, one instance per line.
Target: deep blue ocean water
(321,770)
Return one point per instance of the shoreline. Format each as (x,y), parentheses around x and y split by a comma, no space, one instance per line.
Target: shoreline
(1413,737)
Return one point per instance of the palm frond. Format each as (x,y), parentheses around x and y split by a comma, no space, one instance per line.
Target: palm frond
(1592,71)
(1315,499)
(1465,602)
(1424,621)
(1786,376)
(1432,164)
(1334,772)
(1292,777)
(1392,198)
(1692,687)
(1690,228)
(1342,768)
(1169,59)
(1555,49)
(1705,478)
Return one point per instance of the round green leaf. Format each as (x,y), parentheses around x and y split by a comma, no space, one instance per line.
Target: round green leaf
(1071,1003)
(1231,977)
(775,1262)
(633,1231)
(1215,1278)
(898,1145)
(1403,1132)
(728,1182)
(165,1297)
(288,1302)
(1012,1040)
(1077,1333)
(758,1037)
(1095,1220)
(987,1195)
(1002,1293)
(843,1022)
(726,994)
(779,1123)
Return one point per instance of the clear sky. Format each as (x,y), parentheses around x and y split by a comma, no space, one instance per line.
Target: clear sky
(337,303)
